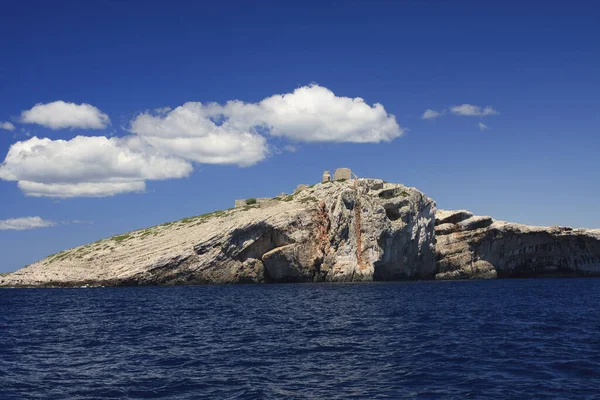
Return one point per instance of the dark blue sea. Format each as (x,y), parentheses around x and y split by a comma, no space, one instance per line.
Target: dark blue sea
(500,339)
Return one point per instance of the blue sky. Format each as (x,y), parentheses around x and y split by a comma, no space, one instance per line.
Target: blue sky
(535,161)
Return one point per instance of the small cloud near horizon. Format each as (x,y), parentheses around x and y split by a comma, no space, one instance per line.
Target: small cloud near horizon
(24,223)
(464,110)
(470,110)
(431,114)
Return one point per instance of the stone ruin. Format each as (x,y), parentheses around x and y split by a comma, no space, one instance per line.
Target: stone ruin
(342,173)
(338,174)
(262,202)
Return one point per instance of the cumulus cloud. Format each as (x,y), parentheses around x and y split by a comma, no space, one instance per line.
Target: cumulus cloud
(189,132)
(164,143)
(482,126)
(315,114)
(470,110)
(87,166)
(60,115)
(21,224)
(233,132)
(431,114)
(7,126)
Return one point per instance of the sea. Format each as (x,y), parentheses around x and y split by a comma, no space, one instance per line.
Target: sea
(497,339)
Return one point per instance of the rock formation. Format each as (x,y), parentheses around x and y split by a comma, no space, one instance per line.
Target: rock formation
(336,231)
(469,246)
(300,188)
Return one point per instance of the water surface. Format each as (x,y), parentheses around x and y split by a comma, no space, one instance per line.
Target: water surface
(496,339)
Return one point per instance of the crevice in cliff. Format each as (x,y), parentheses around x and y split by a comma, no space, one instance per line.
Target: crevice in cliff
(323,243)
(357,228)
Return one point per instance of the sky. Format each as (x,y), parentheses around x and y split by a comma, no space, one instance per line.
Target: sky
(118,115)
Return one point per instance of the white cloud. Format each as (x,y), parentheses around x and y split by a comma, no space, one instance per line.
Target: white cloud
(315,114)
(80,189)
(78,222)
(20,224)
(482,126)
(164,143)
(7,126)
(233,133)
(87,166)
(470,110)
(162,110)
(431,114)
(188,132)
(60,115)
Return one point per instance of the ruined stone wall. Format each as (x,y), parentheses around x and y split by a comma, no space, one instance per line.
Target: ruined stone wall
(342,173)
(260,201)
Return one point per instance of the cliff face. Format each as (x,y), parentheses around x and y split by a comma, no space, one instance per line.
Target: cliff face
(470,246)
(354,230)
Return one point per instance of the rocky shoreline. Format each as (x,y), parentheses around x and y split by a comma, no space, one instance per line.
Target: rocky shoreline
(336,231)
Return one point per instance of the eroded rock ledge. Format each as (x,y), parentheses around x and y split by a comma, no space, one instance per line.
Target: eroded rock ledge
(469,246)
(340,231)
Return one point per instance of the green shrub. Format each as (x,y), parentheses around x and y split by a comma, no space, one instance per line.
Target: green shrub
(120,238)
(250,201)
(391,193)
(308,199)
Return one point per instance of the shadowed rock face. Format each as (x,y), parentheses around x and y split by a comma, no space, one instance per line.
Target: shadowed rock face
(480,247)
(355,230)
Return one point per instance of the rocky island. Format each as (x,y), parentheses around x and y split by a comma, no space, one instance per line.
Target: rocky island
(343,229)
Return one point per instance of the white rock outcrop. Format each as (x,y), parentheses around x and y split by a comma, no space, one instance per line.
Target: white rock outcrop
(469,246)
(336,231)
(356,230)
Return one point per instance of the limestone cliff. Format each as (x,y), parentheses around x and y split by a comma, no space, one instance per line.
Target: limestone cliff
(341,231)
(353,230)
(471,246)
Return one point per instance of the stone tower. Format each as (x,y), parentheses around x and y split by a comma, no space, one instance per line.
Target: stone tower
(342,173)
(326,177)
